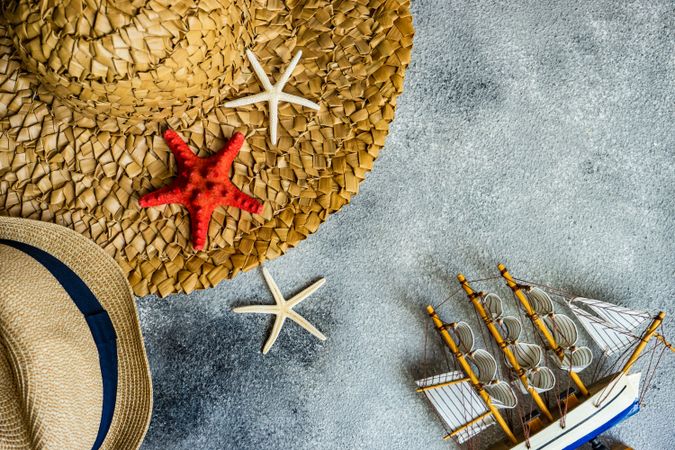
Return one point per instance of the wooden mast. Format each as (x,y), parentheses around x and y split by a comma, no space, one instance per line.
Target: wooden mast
(496,334)
(540,325)
(649,332)
(473,379)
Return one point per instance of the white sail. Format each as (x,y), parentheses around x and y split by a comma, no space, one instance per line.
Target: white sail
(628,319)
(541,379)
(575,359)
(464,337)
(458,404)
(485,366)
(564,331)
(540,301)
(493,303)
(511,328)
(530,357)
(612,327)
(501,394)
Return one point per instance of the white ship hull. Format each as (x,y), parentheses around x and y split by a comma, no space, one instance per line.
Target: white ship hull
(587,420)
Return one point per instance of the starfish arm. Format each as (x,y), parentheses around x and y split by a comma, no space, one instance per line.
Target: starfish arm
(259,71)
(200,216)
(300,296)
(256,309)
(289,71)
(297,318)
(168,194)
(229,151)
(242,201)
(274,118)
(255,98)
(290,98)
(181,151)
(233,144)
(276,293)
(274,334)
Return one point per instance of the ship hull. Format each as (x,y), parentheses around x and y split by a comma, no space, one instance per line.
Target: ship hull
(587,420)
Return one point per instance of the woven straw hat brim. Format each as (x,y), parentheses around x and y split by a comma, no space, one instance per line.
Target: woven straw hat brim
(85,93)
(104,278)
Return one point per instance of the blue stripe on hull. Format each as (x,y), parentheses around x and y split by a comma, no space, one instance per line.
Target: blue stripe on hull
(623,415)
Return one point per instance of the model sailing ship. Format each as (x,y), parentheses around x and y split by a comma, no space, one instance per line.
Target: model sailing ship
(471,398)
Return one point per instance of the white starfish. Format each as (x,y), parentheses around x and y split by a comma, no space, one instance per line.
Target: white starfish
(283,310)
(272,94)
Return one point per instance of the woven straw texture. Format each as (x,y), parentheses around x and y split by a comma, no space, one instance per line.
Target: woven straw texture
(86,88)
(50,377)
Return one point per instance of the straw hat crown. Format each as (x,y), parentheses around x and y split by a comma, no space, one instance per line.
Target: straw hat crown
(132,59)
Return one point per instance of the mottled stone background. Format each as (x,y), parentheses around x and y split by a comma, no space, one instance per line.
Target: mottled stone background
(535,133)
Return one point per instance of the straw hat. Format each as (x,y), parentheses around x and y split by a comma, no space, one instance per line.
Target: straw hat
(88,86)
(73,370)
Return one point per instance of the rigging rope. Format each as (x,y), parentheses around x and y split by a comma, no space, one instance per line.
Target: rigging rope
(563,417)
(608,393)
(622,357)
(559,292)
(447,299)
(648,373)
(649,378)
(484,279)
(599,363)
(426,341)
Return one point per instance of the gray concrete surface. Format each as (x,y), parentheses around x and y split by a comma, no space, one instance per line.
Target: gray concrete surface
(535,133)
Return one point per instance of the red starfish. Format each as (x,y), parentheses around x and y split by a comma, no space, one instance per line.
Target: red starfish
(202,184)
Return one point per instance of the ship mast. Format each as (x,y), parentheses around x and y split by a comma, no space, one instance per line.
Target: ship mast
(648,334)
(473,379)
(539,324)
(496,334)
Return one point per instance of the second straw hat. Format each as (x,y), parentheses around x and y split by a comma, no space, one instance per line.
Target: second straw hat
(73,369)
